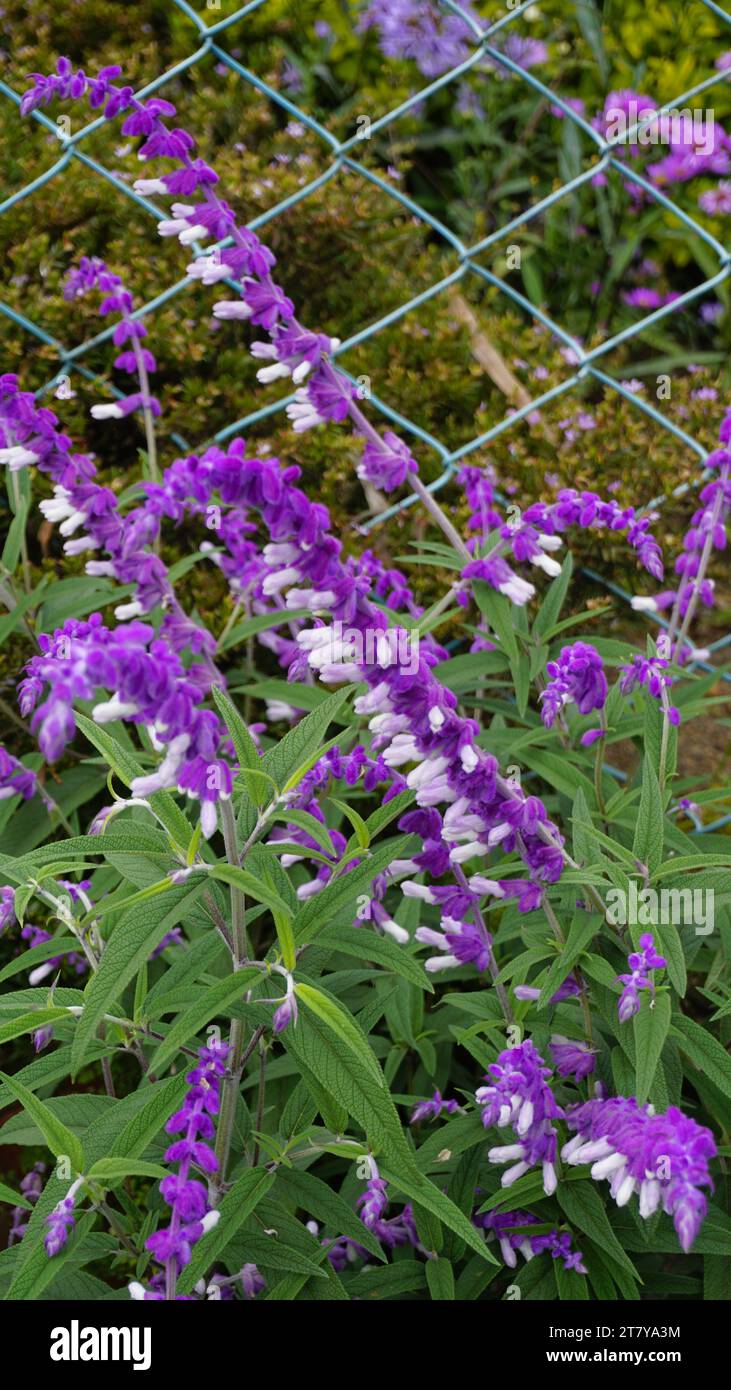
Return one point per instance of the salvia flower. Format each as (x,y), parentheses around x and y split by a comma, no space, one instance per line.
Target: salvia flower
(31,1185)
(507,1228)
(432,1109)
(7,907)
(519,1095)
(642,963)
(652,673)
(664,1158)
(15,778)
(61,1221)
(572,1058)
(186,1196)
(577,677)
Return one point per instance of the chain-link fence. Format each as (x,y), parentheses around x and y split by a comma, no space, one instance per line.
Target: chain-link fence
(208,39)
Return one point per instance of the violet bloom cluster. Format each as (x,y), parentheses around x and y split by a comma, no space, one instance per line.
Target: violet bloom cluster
(578,678)
(572,1057)
(15,778)
(421,31)
(7,907)
(642,963)
(664,1158)
(372,1206)
(150,686)
(506,1226)
(651,672)
(92,274)
(538,530)
(31,1186)
(61,1221)
(690,152)
(412,717)
(187,1197)
(432,1109)
(707,532)
(519,1095)
(291,349)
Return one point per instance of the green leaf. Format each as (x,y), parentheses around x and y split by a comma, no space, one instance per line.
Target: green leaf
(252,886)
(339,1068)
(213,999)
(133,940)
(9,621)
(440,1278)
(109,1171)
(59,1139)
(28,1023)
(153,1106)
(14,1199)
(362,833)
(289,760)
(649,831)
(128,768)
(258,786)
(440,1205)
(585,1210)
(583,928)
(499,613)
(704,1051)
(341,894)
(651,1026)
(365,944)
(317,1198)
(342,1024)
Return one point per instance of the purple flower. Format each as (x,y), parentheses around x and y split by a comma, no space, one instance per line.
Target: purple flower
(252,1282)
(373,1202)
(386,463)
(432,1109)
(31,1185)
(421,31)
(7,907)
(650,672)
(60,1222)
(576,677)
(526,53)
(462,943)
(572,1058)
(15,778)
(186,1197)
(519,1095)
(662,1157)
(506,1226)
(641,963)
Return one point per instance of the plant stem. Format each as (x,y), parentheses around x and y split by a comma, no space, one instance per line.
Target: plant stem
(260,1100)
(238,901)
(500,989)
(229,1096)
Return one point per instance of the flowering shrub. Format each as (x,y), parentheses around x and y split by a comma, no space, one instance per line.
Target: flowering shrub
(342,912)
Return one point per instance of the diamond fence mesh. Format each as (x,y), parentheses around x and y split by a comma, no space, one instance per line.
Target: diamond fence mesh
(208,39)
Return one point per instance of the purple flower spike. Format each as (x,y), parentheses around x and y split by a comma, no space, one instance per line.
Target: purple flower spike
(373,1203)
(506,1226)
(252,1282)
(664,1158)
(60,1222)
(576,678)
(640,963)
(519,1095)
(572,1058)
(432,1109)
(188,1198)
